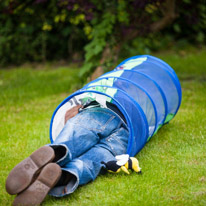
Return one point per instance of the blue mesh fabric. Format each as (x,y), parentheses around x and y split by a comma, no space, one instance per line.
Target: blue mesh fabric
(137,93)
(164,81)
(153,65)
(136,116)
(145,89)
(149,86)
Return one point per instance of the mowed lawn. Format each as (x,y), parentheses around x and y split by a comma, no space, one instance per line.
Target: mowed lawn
(173,162)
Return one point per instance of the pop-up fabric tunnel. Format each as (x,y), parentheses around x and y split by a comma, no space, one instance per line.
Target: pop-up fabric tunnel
(144,88)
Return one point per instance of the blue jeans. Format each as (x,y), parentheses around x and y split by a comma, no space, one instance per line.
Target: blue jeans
(93,135)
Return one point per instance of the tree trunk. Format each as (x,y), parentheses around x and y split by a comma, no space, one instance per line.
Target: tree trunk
(169,15)
(99,70)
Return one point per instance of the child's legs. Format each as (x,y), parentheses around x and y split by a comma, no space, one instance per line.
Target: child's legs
(84,131)
(86,167)
(83,170)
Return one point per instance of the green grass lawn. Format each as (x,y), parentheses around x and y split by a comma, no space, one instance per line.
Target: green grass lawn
(173,162)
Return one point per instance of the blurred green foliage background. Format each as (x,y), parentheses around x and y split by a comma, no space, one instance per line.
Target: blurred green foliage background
(97,33)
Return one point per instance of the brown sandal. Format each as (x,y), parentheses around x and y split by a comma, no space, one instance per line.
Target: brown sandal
(38,190)
(24,173)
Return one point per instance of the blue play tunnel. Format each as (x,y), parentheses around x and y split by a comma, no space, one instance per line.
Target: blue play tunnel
(144,88)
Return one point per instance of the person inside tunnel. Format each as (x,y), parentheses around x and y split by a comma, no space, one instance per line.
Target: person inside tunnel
(99,127)
(91,137)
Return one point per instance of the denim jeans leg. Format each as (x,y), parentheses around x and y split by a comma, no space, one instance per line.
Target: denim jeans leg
(83,131)
(86,167)
(117,141)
